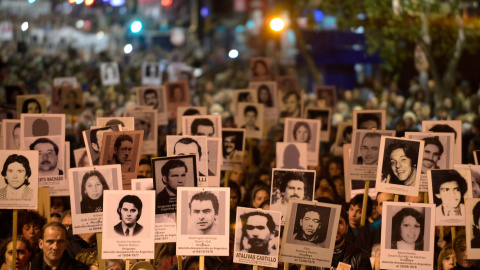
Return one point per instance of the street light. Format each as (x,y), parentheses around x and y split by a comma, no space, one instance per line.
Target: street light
(277,24)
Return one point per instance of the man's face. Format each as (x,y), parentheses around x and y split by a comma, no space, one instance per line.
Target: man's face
(176,178)
(369,150)
(295,189)
(369,124)
(205,131)
(431,154)
(250,118)
(16,137)
(187,149)
(342,230)
(291,104)
(129,214)
(145,170)
(53,244)
(229,144)
(383,197)
(122,154)
(258,234)
(100,137)
(67,221)
(151,99)
(141,124)
(203,214)
(401,164)
(48,157)
(178,94)
(310,223)
(450,194)
(354,215)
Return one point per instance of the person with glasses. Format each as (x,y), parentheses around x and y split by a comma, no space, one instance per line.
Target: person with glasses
(122,152)
(48,151)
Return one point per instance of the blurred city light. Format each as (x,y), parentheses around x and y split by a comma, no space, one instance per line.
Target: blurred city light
(31,1)
(136,26)
(100,35)
(233,54)
(318,15)
(78,2)
(117,3)
(89,2)
(166,3)
(24,26)
(71,1)
(79,24)
(277,24)
(128,48)
(204,11)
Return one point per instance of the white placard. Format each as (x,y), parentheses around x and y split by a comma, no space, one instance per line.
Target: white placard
(304,131)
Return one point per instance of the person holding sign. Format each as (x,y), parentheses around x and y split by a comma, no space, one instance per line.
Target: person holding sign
(93,185)
(16,171)
(129,211)
(258,228)
(407,230)
(204,211)
(449,188)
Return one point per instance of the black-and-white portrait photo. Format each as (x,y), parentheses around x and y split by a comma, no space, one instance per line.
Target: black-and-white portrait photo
(398,168)
(304,131)
(369,119)
(40,125)
(291,104)
(287,83)
(267,95)
(450,126)
(233,145)
(146,120)
(438,150)
(151,73)
(122,147)
(127,123)
(72,101)
(11,134)
(256,232)
(81,158)
(242,95)
(19,188)
(214,146)
(327,96)
(129,217)
(288,185)
(186,145)
(472,228)
(475,174)
(291,155)
(311,224)
(260,69)
(152,96)
(449,188)
(93,139)
(169,173)
(188,111)
(109,73)
(31,104)
(51,152)
(198,125)
(324,116)
(177,94)
(250,117)
(407,227)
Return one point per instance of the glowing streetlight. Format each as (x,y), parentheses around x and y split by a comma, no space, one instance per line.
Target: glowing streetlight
(277,24)
(233,54)
(128,48)
(136,26)
(24,26)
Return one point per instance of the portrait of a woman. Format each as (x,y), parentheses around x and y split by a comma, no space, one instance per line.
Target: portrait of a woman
(93,185)
(302,132)
(264,96)
(31,105)
(408,227)
(16,172)
(260,70)
(400,164)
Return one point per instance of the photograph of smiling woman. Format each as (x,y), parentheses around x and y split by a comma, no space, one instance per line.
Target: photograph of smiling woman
(408,226)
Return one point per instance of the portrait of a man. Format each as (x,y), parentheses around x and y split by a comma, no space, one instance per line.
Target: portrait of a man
(311,224)
(258,230)
(174,174)
(150,98)
(250,114)
(96,138)
(143,121)
(232,145)
(291,101)
(203,127)
(186,146)
(203,214)
(449,189)
(368,121)
(122,153)
(48,157)
(129,211)
(369,149)
(431,153)
(16,135)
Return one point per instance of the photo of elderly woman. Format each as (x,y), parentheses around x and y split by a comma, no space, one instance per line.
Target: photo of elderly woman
(408,227)
(400,162)
(16,172)
(93,185)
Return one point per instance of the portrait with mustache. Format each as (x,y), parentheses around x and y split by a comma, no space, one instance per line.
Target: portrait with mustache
(431,154)
(48,152)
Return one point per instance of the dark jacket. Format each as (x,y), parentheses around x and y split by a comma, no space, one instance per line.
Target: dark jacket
(67,263)
(119,230)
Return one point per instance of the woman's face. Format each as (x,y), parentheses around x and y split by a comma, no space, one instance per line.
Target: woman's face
(409,229)
(401,164)
(447,262)
(93,187)
(301,134)
(32,107)
(16,174)
(22,255)
(263,95)
(260,69)
(260,197)
(334,169)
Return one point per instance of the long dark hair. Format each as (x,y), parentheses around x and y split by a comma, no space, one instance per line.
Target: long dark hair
(85,179)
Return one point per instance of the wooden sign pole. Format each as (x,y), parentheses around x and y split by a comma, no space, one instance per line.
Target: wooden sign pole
(14,239)
(101,262)
(179,262)
(201,263)
(364,205)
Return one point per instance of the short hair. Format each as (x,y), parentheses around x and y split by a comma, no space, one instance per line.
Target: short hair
(28,101)
(435,141)
(302,124)
(291,93)
(149,91)
(45,140)
(344,215)
(205,196)
(289,176)
(111,262)
(440,177)
(172,164)
(371,135)
(456,242)
(250,108)
(20,159)
(114,122)
(201,122)
(89,174)
(358,201)
(407,148)
(444,128)
(27,217)
(323,214)
(191,111)
(133,200)
(93,134)
(397,222)
(120,139)
(188,141)
(270,222)
(364,117)
(55,225)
